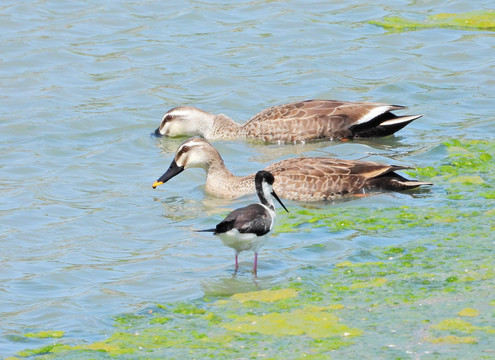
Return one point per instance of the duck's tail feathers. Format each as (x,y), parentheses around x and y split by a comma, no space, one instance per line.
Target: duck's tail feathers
(395,182)
(384,125)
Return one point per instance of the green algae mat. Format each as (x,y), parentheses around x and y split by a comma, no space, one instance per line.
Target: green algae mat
(430,298)
(474,20)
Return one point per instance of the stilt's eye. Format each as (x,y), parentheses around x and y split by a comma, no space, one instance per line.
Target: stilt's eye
(185,149)
(167,118)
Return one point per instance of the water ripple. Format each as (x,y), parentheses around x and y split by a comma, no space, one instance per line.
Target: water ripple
(84,85)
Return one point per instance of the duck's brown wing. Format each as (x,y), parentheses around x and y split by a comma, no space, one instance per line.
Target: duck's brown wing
(330,119)
(317,178)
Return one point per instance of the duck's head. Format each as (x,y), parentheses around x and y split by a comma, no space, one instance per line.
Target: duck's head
(184,121)
(194,152)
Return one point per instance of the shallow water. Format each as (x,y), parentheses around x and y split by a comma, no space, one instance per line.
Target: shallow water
(83,85)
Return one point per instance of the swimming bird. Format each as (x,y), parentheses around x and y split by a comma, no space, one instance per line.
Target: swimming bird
(247,228)
(301,179)
(294,122)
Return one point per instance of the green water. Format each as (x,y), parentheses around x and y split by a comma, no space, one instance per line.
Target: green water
(96,264)
(428,298)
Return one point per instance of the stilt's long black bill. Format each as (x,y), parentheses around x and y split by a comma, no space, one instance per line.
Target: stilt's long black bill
(172,171)
(157,133)
(278,199)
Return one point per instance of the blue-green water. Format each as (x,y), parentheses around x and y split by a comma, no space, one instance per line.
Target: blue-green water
(84,237)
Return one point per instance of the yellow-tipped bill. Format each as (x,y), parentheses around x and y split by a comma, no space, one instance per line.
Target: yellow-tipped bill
(169,174)
(157,183)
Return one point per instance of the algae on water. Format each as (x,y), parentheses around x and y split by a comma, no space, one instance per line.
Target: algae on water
(474,20)
(45,334)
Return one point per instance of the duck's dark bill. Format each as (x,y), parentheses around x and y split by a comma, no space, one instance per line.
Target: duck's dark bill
(173,170)
(157,133)
(280,201)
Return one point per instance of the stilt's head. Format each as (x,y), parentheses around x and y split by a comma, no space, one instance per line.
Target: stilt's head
(264,188)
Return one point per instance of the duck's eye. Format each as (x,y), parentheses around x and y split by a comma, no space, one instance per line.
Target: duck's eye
(167,118)
(181,152)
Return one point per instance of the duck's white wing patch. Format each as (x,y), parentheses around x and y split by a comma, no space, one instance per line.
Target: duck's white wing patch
(400,119)
(373,113)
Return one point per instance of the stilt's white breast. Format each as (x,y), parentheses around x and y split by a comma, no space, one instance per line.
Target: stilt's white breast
(242,241)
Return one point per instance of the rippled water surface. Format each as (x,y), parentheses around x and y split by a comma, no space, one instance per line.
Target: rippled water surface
(84,84)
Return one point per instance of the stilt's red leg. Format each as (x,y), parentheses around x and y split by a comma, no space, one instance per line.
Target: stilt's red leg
(255,267)
(236,263)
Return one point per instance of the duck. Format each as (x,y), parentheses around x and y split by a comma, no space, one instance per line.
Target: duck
(304,179)
(247,228)
(295,122)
